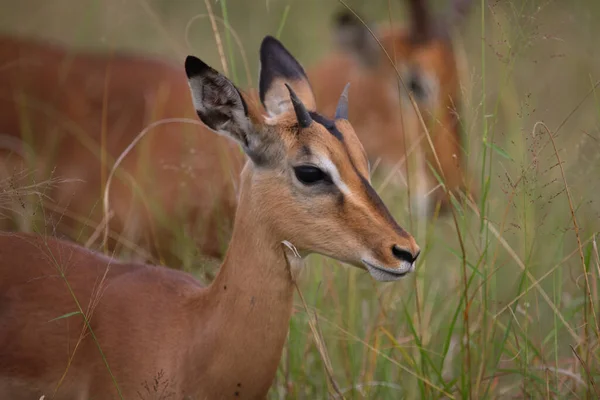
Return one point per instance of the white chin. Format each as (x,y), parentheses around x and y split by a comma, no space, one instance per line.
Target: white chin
(383,274)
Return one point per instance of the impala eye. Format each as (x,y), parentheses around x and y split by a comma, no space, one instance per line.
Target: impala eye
(310,175)
(416,87)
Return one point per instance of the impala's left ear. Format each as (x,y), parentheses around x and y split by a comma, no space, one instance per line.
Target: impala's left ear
(278,69)
(220,105)
(218,102)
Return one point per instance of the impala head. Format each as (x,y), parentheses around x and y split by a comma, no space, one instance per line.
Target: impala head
(307,176)
(426,62)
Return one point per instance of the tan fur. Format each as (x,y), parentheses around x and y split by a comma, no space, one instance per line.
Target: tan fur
(67,101)
(158,325)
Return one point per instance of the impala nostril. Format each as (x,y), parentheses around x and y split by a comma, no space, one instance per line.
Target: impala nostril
(403,255)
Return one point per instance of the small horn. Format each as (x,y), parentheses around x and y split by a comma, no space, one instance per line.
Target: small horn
(341,112)
(302,114)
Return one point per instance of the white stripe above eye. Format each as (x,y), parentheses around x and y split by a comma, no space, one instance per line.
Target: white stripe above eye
(329,167)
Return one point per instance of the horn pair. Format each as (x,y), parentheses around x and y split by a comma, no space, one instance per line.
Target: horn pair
(302,114)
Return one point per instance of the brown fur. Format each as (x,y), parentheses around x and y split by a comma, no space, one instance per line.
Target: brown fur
(67,101)
(384,120)
(154,324)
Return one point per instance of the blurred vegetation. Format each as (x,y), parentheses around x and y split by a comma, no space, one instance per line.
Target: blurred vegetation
(521,62)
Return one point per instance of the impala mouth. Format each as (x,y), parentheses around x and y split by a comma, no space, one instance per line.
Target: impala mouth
(383,274)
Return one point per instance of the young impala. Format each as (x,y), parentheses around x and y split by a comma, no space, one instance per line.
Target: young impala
(382,115)
(305,188)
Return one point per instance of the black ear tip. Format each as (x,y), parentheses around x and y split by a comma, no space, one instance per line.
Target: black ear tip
(270,38)
(344,18)
(195,66)
(269,42)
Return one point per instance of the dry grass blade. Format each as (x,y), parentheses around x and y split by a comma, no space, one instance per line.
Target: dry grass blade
(58,264)
(575,225)
(134,142)
(587,371)
(158,24)
(523,268)
(538,281)
(391,360)
(11,189)
(235,35)
(318,338)
(217,35)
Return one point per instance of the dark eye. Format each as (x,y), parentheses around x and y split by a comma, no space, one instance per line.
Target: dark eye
(416,87)
(309,174)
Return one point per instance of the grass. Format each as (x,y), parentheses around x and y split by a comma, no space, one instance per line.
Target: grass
(512,311)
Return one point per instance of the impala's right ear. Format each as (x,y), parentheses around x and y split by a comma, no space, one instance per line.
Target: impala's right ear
(219,104)
(352,36)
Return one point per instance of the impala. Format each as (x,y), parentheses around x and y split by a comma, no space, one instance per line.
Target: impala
(382,115)
(76,113)
(305,188)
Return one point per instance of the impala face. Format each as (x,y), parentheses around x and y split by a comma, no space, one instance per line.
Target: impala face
(422,55)
(309,173)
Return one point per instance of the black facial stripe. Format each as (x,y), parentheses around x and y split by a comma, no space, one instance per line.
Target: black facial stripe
(368,189)
(379,205)
(328,124)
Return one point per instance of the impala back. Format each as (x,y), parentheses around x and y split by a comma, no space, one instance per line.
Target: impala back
(70,115)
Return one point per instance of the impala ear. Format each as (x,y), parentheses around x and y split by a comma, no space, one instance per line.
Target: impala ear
(352,36)
(221,107)
(422,28)
(459,9)
(279,71)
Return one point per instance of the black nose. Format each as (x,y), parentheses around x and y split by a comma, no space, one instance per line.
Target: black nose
(404,255)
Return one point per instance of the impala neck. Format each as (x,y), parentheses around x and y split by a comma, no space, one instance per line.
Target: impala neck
(251,301)
(255,262)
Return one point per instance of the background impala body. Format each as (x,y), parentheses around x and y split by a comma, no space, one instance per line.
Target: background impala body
(67,106)
(159,325)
